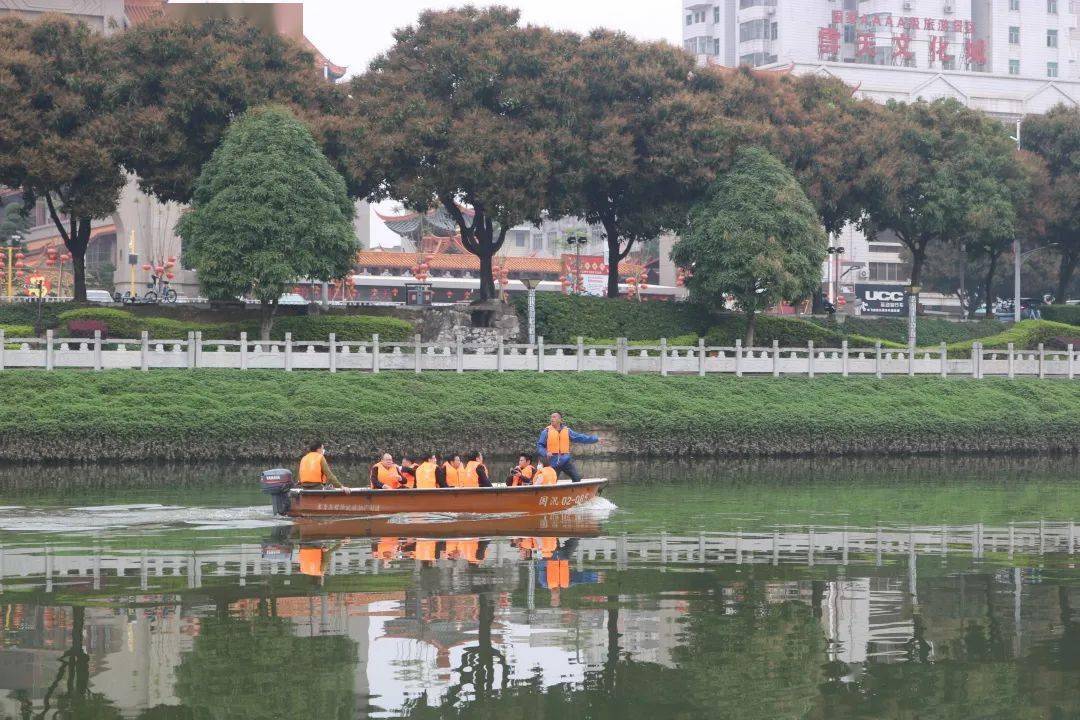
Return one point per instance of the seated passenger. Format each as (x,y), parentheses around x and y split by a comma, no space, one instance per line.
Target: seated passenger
(522,473)
(476,474)
(385,475)
(408,471)
(452,471)
(315,471)
(426,473)
(545,474)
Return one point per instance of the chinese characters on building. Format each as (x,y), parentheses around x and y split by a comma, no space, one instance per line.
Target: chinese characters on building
(945,40)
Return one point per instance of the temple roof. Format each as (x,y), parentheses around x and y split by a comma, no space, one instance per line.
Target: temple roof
(436,222)
(458,262)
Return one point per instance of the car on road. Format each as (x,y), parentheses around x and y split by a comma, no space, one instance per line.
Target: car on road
(101,297)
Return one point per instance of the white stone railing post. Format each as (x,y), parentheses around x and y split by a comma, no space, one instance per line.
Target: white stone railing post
(976,356)
(663,357)
(460,354)
(144,352)
(97,349)
(1069,362)
(331,350)
(1042,361)
(701,357)
(776,358)
(499,356)
(243,351)
(3,345)
(580,353)
(810,359)
(418,355)
(1012,361)
(911,358)
(288,352)
(621,357)
(944,360)
(198,347)
(49,360)
(738,358)
(376,352)
(540,354)
(843,358)
(877,360)
(189,358)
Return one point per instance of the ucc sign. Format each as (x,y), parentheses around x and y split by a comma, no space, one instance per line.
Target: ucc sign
(882,299)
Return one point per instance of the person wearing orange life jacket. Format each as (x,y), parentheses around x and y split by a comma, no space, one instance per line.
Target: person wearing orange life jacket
(426,473)
(451,472)
(522,473)
(408,471)
(476,474)
(315,471)
(553,446)
(545,474)
(385,475)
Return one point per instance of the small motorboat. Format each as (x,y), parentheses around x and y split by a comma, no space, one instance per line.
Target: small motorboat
(527,499)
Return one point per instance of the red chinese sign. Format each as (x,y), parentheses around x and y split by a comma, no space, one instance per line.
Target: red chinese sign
(941,49)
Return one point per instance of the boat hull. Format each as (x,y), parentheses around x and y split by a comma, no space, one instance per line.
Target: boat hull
(528,499)
(555,525)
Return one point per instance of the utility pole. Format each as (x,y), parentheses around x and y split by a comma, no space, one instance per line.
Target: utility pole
(1016,251)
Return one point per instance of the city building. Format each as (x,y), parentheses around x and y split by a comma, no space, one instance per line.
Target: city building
(1007,58)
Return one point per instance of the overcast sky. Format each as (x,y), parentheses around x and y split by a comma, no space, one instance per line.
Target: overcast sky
(352,32)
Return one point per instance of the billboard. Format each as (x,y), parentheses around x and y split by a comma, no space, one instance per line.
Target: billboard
(882,299)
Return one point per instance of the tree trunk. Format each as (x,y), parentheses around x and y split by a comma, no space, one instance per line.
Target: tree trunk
(988,285)
(1065,275)
(611,230)
(266,322)
(487,277)
(76,236)
(479,239)
(751,324)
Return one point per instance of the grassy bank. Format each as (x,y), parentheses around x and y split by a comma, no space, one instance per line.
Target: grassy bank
(206,414)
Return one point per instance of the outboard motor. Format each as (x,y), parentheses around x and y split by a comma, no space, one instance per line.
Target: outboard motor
(277,483)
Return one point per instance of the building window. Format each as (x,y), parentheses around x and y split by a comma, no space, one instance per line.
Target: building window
(885,248)
(888,272)
(1051,7)
(1014,5)
(521,237)
(689,18)
(774,31)
(849,34)
(1051,69)
(1014,35)
(538,242)
(1051,38)
(689,45)
(743,4)
(755,59)
(1014,67)
(716,13)
(716,46)
(752,30)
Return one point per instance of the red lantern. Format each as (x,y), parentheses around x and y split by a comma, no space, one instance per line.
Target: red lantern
(170,265)
(170,275)
(147,266)
(19,274)
(394,292)
(51,252)
(159,269)
(449,294)
(50,262)
(19,256)
(172,259)
(19,265)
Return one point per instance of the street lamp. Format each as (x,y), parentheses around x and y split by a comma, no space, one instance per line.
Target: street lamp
(577,239)
(1017,258)
(530,285)
(14,261)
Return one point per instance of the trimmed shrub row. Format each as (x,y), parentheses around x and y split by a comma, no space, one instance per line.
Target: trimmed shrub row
(929,330)
(561,319)
(1025,335)
(208,414)
(125,324)
(1069,314)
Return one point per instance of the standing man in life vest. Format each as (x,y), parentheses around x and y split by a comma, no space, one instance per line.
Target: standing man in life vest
(553,446)
(385,475)
(315,471)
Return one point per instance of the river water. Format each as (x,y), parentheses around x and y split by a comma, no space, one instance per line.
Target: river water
(923,588)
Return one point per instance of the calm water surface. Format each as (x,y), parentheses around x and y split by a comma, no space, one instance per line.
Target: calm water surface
(803,589)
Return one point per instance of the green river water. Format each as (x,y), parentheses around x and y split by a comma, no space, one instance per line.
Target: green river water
(866,588)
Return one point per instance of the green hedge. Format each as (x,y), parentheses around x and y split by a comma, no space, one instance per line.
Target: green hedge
(125,324)
(17,331)
(561,319)
(1025,335)
(26,313)
(348,328)
(929,330)
(787,331)
(1069,314)
(209,414)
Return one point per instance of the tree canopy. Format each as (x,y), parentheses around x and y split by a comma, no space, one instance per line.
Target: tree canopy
(756,238)
(57,126)
(1055,137)
(268,208)
(463,110)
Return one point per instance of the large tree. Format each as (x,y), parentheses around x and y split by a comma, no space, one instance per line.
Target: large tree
(179,84)
(268,208)
(756,238)
(940,169)
(464,110)
(652,137)
(1055,137)
(57,126)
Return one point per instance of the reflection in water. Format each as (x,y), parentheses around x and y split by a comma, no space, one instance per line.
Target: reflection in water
(761,613)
